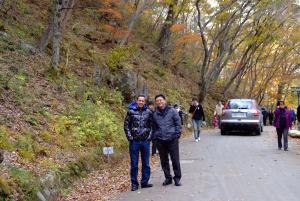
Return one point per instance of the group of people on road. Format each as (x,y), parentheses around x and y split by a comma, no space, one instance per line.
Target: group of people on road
(161,124)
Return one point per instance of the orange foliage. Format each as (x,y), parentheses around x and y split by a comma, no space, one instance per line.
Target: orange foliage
(110,2)
(115,33)
(110,28)
(111,11)
(190,37)
(178,27)
(120,33)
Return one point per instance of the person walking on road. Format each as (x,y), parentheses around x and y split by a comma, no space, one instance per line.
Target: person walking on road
(271,117)
(298,117)
(137,126)
(282,122)
(167,131)
(265,116)
(197,118)
(293,116)
(218,112)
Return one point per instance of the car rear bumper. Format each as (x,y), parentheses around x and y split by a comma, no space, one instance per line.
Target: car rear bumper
(240,125)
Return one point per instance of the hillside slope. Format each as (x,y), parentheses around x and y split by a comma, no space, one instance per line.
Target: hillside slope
(54,125)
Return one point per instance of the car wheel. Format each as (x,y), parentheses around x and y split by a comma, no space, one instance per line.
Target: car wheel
(261,129)
(258,132)
(223,132)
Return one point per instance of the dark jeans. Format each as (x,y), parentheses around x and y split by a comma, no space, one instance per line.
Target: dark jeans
(135,147)
(153,147)
(271,122)
(219,121)
(265,121)
(282,132)
(165,149)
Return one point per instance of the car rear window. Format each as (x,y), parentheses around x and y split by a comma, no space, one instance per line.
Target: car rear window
(240,104)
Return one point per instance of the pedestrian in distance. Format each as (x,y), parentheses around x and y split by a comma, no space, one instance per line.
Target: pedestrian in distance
(215,121)
(265,116)
(137,126)
(151,106)
(178,109)
(293,116)
(271,117)
(167,131)
(198,118)
(282,123)
(298,117)
(218,112)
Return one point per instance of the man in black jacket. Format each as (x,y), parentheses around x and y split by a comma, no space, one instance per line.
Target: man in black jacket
(167,131)
(137,127)
(197,118)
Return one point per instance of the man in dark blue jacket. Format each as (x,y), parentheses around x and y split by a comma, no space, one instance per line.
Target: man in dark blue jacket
(167,131)
(137,127)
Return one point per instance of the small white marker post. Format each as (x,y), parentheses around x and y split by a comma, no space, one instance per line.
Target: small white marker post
(108,151)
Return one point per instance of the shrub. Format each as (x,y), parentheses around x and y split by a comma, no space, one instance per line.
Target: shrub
(97,124)
(118,55)
(25,180)
(5,143)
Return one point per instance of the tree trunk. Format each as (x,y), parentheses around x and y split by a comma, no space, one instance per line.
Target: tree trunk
(134,18)
(56,34)
(66,13)
(165,33)
(46,37)
(203,92)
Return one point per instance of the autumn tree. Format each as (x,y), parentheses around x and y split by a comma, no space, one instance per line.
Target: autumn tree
(220,35)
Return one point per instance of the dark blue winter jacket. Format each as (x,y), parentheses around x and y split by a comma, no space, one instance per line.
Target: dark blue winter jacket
(166,124)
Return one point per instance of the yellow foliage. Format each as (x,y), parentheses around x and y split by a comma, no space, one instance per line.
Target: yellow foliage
(191,37)
(178,27)
(111,11)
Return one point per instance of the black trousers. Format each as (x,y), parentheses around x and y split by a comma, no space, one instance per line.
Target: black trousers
(282,132)
(165,149)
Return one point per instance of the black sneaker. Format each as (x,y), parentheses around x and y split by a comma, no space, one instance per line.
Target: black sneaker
(134,188)
(286,149)
(177,183)
(167,182)
(147,186)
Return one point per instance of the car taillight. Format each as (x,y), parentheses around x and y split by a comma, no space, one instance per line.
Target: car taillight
(256,113)
(226,105)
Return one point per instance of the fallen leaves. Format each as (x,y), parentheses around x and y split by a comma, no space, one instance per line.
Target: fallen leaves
(104,184)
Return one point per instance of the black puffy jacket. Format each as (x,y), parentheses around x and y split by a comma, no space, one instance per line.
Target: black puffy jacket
(197,111)
(166,124)
(138,123)
(298,113)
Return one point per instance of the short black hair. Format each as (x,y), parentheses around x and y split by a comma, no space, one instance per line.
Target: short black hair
(279,101)
(150,102)
(141,95)
(160,95)
(194,99)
